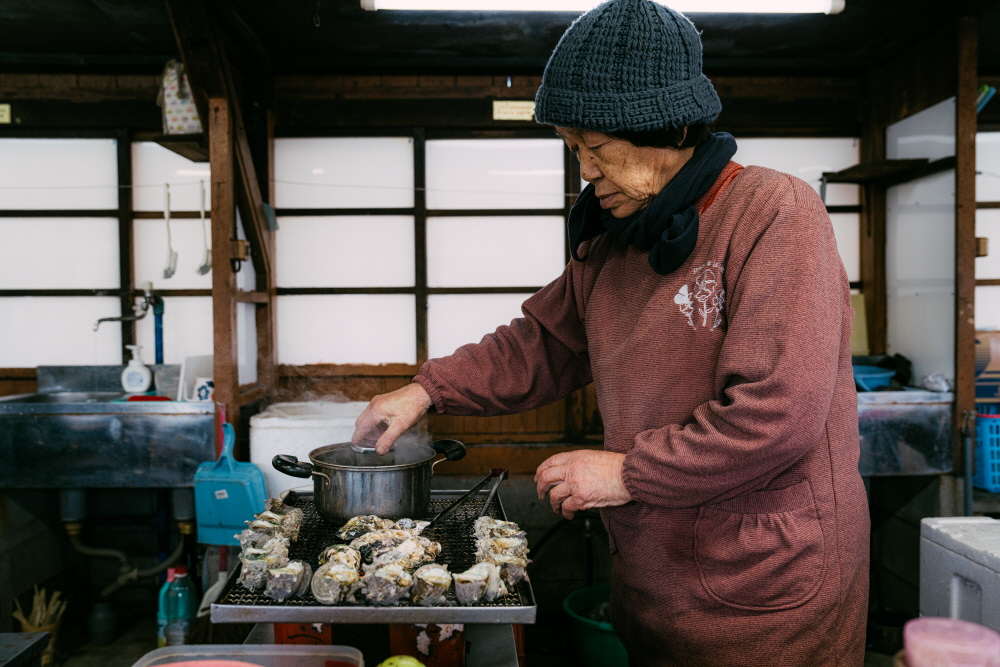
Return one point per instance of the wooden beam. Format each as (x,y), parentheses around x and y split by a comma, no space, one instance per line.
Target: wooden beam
(199,50)
(965,225)
(220,146)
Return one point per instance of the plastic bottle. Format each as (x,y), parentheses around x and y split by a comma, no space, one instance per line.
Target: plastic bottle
(161,611)
(180,603)
(136,377)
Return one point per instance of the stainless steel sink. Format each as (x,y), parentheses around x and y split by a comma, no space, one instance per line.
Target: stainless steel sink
(72,439)
(66,397)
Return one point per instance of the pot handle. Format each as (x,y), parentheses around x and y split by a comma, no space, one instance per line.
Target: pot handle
(290,466)
(453,450)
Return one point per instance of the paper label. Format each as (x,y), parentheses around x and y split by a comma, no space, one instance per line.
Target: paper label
(4,113)
(221,494)
(514,110)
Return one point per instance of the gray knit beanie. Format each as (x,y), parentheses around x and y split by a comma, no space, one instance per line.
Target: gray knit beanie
(627,65)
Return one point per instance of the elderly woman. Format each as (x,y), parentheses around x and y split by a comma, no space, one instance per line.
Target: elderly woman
(709,305)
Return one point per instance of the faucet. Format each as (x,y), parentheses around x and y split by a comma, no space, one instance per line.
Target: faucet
(139,312)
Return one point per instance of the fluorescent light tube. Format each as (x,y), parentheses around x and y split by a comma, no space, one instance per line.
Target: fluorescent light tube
(685,6)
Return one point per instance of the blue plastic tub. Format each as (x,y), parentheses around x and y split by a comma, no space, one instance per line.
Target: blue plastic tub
(987,454)
(871,378)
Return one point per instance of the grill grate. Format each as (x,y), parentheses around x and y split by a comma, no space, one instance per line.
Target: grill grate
(458,550)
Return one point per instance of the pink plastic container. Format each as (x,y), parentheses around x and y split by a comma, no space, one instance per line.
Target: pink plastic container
(949,642)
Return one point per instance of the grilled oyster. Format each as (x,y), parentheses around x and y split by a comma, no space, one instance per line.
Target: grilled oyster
(480,582)
(335,582)
(341,553)
(410,554)
(387,585)
(486,526)
(430,584)
(374,543)
(411,526)
(501,546)
(512,568)
(288,521)
(256,563)
(289,581)
(361,525)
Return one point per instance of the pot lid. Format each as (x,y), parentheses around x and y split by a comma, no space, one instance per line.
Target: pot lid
(355,456)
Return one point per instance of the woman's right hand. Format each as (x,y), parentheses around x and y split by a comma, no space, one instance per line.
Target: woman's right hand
(388,416)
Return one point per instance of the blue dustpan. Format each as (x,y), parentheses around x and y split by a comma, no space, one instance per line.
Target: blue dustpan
(227,493)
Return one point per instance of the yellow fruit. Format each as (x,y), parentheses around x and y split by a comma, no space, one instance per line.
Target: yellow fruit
(401,661)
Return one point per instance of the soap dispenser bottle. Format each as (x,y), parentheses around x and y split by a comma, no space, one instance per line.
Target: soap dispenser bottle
(136,378)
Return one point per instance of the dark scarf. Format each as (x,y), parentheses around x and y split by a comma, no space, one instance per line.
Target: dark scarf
(668,227)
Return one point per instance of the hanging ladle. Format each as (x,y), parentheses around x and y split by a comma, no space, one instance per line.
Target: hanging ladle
(497,474)
(171,266)
(207,265)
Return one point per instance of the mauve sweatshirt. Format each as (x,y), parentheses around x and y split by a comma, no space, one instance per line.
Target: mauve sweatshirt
(728,386)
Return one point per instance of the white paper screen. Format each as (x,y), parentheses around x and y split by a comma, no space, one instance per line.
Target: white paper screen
(847,229)
(59,253)
(495,173)
(59,331)
(988,308)
(920,245)
(58,174)
(495,251)
(345,251)
(456,319)
(988,226)
(187,329)
(807,159)
(347,329)
(153,166)
(988,166)
(246,334)
(343,172)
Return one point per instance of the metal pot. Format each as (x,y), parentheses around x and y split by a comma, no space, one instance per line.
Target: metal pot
(350,481)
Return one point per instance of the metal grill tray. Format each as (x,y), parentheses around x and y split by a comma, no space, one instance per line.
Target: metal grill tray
(239,605)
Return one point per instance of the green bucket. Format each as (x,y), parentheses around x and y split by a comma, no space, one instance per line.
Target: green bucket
(595,641)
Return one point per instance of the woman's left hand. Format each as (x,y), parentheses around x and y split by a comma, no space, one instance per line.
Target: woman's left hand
(582,479)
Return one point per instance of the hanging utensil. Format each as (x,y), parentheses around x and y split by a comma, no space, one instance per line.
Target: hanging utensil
(207,265)
(497,473)
(171,266)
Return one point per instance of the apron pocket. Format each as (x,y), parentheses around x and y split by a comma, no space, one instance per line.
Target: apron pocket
(761,551)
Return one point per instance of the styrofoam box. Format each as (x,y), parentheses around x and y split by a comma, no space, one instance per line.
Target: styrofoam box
(960,569)
(297,429)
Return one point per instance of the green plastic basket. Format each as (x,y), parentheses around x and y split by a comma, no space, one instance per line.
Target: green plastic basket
(596,643)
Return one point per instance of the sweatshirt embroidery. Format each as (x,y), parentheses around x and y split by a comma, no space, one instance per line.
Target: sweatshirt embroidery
(703,305)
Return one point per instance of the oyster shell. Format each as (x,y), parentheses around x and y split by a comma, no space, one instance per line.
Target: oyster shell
(512,568)
(256,563)
(387,585)
(285,582)
(501,546)
(335,582)
(411,526)
(410,554)
(374,543)
(480,582)
(361,525)
(341,553)
(430,584)
(486,526)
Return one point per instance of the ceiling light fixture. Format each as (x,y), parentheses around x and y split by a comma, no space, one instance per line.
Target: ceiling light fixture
(686,6)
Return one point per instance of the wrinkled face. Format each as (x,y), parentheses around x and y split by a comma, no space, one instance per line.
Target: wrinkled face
(626,177)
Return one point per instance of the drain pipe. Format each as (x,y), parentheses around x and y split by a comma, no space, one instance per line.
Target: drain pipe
(72,507)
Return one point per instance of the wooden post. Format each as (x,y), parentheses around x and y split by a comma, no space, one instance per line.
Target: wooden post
(965,226)
(220,149)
